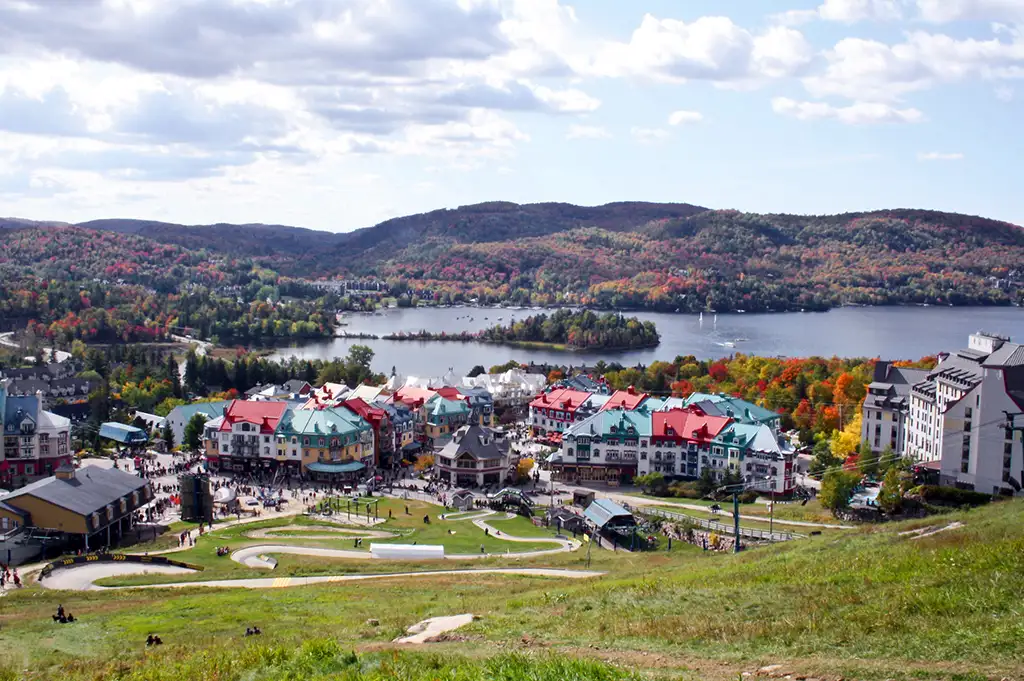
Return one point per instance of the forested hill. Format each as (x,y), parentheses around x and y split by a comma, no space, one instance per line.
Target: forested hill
(638,255)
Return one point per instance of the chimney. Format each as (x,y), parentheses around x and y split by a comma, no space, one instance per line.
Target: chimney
(65,472)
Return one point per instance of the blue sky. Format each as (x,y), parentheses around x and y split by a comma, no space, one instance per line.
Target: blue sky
(337,114)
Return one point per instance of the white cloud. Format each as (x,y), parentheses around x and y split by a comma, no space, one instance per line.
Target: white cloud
(649,135)
(685,117)
(844,11)
(861,69)
(939,156)
(709,48)
(1004,93)
(944,11)
(569,100)
(852,11)
(587,132)
(858,113)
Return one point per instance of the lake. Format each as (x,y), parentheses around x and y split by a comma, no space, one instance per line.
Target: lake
(886,332)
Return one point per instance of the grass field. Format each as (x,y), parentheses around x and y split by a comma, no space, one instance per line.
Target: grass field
(863,604)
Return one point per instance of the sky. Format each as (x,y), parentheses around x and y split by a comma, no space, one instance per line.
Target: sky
(338,114)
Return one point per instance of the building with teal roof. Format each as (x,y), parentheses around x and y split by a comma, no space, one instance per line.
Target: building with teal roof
(755,453)
(329,444)
(605,446)
(444,417)
(740,410)
(179,417)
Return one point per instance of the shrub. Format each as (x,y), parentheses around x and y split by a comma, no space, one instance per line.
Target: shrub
(950,496)
(685,490)
(748,497)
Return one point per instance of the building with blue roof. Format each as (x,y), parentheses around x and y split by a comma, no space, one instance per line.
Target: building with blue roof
(444,417)
(604,515)
(179,417)
(123,434)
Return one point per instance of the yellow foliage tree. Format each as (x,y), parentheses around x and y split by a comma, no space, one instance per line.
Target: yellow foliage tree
(846,441)
(523,468)
(424,462)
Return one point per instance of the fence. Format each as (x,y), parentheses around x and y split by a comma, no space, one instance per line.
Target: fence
(113,558)
(721,528)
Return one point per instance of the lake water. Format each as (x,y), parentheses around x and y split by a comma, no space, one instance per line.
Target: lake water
(886,332)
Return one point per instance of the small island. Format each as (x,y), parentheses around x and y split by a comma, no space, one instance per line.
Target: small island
(560,330)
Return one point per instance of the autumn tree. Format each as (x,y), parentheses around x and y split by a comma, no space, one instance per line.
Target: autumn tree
(837,487)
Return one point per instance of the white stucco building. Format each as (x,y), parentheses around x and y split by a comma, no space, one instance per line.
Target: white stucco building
(957,416)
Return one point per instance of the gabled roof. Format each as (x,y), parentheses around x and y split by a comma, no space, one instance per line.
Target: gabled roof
(1009,355)
(625,399)
(603,422)
(367,393)
(17,409)
(119,432)
(603,512)
(478,442)
(411,394)
(690,424)
(445,407)
(89,491)
(266,415)
(562,399)
(329,421)
(297,386)
(185,412)
(365,411)
(735,407)
(664,403)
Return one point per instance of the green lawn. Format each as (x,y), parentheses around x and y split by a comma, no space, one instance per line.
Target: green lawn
(459,537)
(862,604)
(521,527)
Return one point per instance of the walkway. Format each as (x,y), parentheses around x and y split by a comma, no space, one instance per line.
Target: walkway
(726,511)
(81,579)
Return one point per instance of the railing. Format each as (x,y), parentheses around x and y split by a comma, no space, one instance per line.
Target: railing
(715,526)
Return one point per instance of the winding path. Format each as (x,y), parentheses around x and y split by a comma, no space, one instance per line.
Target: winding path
(83,578)
(329,533)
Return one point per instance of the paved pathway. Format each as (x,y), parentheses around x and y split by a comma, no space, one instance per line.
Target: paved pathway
(726,512)
(421,632)
(86,584)
(329,533)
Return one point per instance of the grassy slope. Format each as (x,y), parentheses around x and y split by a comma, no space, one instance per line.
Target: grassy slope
(865,604)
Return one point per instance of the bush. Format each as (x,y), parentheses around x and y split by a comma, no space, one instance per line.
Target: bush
(685,490)
(748,497)
(950,496)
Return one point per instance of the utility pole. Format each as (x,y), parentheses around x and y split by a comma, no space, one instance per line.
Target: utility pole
(736,520)
(771,509)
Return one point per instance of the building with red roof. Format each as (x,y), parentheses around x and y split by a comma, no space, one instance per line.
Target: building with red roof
(247,434)
(381,423)
(554,411)
(628,399)
(681,441)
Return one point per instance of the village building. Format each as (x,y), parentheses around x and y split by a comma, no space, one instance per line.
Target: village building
(35,442)
(606,447)
(91,506)
(960,417)
(476,456)
(681,442)
(555,411)
(884,414)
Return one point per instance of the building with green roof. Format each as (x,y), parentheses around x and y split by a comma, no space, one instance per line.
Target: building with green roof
(179,417)
(740,410)
(605,446)
(444,417)
(332,444)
